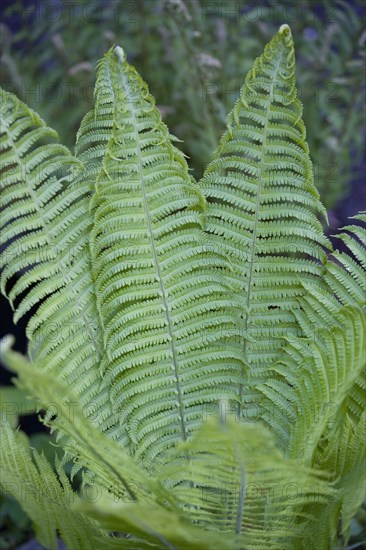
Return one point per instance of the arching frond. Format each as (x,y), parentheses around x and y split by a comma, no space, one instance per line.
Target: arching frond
(311,407)
(46,496)
(313,383)
(263,208)
(166,314)
(112,468)
(45,225)
(344,285)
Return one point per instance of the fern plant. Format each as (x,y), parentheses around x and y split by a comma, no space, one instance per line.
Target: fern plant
(198,347)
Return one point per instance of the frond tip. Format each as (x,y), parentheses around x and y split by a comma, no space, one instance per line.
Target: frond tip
(120,53)
(285,30)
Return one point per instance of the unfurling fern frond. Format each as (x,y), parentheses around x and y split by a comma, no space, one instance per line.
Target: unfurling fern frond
(165,311)
(263,208)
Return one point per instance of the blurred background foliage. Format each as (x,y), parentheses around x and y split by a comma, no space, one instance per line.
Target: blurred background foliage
(194,54)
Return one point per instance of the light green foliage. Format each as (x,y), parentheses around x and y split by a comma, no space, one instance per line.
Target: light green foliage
(264,206)
(163,314)
(158,284)
(51,251)
(46,498)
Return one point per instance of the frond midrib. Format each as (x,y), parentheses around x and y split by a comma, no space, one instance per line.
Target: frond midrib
(160,278)
(254,236)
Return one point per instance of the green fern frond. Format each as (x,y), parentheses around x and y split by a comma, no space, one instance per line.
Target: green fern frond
(111,467)
(312,384)
(346,271)
(45,225)
(166,314)
(238,482)
(344,284)
(46,496)
(263,207)
(311,396)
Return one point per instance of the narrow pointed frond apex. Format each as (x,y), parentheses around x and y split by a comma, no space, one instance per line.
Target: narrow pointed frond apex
(285,30)
(120,54)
